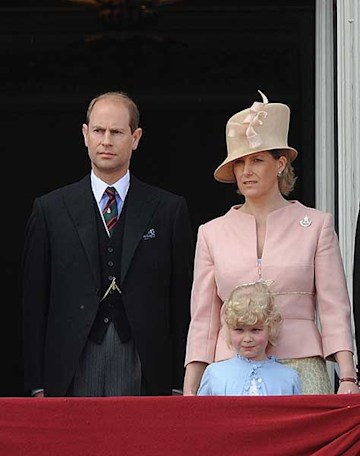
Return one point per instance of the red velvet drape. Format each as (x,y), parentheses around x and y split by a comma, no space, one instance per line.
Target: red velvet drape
(181,426)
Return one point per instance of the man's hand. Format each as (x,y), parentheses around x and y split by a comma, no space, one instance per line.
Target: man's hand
(38,394)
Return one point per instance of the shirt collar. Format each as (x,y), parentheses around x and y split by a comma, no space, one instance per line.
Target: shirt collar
(99,186)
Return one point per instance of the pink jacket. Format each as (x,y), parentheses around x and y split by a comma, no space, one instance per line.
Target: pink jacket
(301,255)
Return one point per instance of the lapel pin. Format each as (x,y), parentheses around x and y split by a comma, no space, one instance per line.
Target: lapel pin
(306,221)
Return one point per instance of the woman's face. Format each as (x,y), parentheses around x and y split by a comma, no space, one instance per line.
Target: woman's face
(257,174)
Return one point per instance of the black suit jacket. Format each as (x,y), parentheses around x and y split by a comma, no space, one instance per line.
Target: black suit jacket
(61,283)
(356,288)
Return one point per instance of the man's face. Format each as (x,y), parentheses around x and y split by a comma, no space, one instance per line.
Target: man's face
(109,139)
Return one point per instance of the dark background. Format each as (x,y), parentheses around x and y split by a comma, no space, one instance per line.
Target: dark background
(189,66)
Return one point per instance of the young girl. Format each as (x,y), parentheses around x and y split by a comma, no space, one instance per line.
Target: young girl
(252,321)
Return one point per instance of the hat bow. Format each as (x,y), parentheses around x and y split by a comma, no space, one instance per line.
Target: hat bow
(254,119)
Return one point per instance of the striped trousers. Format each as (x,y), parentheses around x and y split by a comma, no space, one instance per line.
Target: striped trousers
(110,369)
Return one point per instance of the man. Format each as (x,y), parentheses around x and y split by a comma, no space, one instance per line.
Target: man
(107,272)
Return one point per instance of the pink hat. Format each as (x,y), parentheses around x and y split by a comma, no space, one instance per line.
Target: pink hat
(263,126)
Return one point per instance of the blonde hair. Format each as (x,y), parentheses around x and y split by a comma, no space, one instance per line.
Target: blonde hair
(252,304)
(287,178)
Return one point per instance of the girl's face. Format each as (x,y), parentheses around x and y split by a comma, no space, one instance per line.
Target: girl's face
(250,341)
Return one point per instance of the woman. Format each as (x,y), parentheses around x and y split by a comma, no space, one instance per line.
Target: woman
(271,238)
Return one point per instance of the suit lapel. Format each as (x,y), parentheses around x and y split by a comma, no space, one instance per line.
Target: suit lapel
(141,205)
(80,203)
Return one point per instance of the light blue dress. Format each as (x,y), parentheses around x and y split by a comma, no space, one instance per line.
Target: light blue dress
(239,376)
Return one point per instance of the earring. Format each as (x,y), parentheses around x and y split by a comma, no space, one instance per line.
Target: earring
(279,173)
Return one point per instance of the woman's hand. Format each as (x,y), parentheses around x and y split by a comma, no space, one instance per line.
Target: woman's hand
(345,361)
(348,388)
(193,374)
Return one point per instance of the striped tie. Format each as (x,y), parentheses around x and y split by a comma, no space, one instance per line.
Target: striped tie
(110,211)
